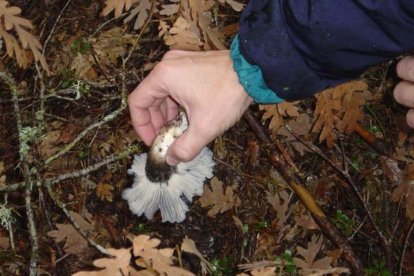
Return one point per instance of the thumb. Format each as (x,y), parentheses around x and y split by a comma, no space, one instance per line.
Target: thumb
(186,147)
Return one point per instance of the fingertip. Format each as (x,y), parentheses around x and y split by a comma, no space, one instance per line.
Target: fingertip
(410,118)
(405,68)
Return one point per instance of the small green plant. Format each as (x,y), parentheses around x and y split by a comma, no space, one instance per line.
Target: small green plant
(223,266)
(261,225)
(80,45)
(68,78)
(287,262)
(344,223)
(378,268)
(139,228)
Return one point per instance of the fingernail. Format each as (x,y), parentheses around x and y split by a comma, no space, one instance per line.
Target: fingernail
(172,161)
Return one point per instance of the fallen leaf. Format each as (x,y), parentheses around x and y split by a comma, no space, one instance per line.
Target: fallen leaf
(141,12)
(4,243)
(48,145)
(188,245)
(341,106)
(308,263)
(169,9)
(280,203)
(160,260)
(405,190)
(116,266)
(74,242)
(276,113)
(216,197)
(103,191)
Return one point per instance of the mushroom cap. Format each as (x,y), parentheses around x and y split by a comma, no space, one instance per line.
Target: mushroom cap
(170,196)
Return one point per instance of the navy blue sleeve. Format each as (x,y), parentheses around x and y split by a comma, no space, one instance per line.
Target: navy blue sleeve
(303,47)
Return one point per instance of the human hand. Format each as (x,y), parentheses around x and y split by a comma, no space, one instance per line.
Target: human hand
(404,90)
(204,84)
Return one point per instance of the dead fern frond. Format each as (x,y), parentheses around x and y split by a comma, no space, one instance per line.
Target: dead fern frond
(11,21)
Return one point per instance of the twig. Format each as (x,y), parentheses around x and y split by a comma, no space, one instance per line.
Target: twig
(34,256)
(143,29)
(76,174)
(407,238)
(104,120)
(345,174)
(54,26)
(61,205)
(296,183)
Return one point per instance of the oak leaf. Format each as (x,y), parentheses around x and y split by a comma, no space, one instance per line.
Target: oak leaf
(308,263)
(234,4)
(280,203)
(74,242)
(218,198)
(188,245)
(141,12)
(404,182)
(117,6)
(151,258)
(340,105)
(12,21)
(276,113)
(116,266)
(103,191)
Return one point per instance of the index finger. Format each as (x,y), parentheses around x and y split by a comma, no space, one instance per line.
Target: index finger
(141,117)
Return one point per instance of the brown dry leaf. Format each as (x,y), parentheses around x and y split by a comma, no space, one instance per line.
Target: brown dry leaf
(268,271)
(342,103)
(4,243)
(234,4)
(12,20)
(405,188)
(141,11)
(103,191)
(183,35)
(117,266)
(160,260)
(169,9)
(301,125)
(189,246)
(221,201)
(277,112)
(75,243)
(48,145)
(118,6)
(280,203)
(81,65)
(308,263)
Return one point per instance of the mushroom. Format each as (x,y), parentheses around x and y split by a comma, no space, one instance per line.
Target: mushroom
(158,186)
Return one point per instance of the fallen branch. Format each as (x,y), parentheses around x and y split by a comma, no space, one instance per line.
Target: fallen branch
(291,176)
(76,174)
(345,174)
(62,206)
(406,241)
(34,256)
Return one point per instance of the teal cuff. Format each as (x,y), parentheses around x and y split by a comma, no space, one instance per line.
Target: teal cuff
(251,78)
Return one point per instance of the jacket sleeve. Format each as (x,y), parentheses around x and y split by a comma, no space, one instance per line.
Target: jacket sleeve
(303,47)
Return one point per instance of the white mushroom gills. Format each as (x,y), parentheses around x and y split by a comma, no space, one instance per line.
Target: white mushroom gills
(158,186)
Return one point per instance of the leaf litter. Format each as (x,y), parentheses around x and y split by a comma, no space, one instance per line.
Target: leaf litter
(248,221)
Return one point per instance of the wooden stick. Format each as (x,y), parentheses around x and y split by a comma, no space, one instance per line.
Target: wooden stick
(290,174)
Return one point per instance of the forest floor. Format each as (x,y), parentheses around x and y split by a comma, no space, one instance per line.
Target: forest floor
(322,186)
